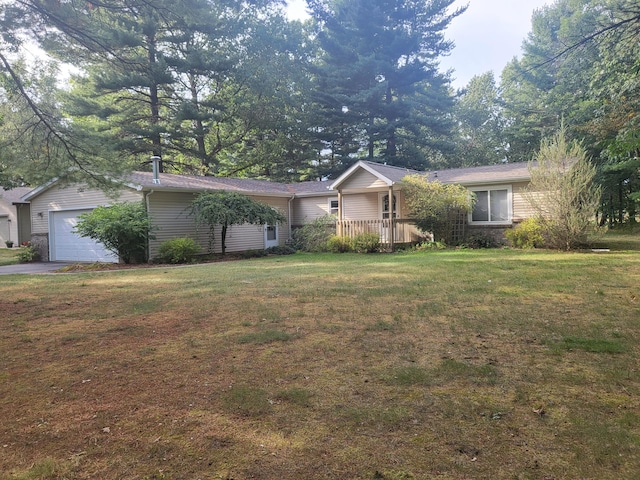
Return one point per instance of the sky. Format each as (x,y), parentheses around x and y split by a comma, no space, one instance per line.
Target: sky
(487,36)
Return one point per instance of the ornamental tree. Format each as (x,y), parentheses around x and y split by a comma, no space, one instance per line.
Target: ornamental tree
(562,192)
(222,208)
(435,205)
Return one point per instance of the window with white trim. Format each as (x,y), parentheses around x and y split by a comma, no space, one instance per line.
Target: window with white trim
(333,206)
(384,205)
(493,205)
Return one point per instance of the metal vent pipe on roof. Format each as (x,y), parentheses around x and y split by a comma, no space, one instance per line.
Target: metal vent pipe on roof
(155,162)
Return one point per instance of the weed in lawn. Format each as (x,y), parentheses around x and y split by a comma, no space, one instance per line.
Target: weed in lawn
(382,326)
(248,401)
(409,375)
(267,336)
(450,370)
(329,328)
(592,345)
(392,475)
(297,396)
(46,469)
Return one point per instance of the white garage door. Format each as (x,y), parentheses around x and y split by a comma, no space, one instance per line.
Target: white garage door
(69,246)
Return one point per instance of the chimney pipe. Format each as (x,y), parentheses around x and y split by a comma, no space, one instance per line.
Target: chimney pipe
(155,161)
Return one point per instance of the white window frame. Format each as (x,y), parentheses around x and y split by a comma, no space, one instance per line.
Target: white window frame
(330,209)
(381,211)
(489,189)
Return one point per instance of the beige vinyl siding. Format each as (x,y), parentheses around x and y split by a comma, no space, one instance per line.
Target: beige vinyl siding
(306,210)
(521,207)
(69,198)
(361,206)
(170,215)
(362,179)
(282,204)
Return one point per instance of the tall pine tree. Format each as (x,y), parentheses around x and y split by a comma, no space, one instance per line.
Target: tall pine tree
(379,89)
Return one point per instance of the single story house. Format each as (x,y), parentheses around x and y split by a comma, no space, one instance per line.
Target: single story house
(15,217)
(359,198)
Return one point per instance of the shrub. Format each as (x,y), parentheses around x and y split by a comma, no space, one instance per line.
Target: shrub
(123,228)
(431,245)
(337,244)
(366,243)
(178,250)
(435,206)
(563,192)
(480,240)
(280,250)
(28,253)
(527,234)
(313,236)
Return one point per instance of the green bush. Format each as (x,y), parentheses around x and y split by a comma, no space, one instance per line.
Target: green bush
(366,243)
(123,228)
(480,240)
(337,244)
(178,250)
(527,234)
(28,253)
(430,245)
(313,236)
(280,250)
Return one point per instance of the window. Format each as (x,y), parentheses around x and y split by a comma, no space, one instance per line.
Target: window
(492,205)
(333,206)
(385,206)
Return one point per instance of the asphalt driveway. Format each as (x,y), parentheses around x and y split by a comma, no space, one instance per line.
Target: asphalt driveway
(32,268)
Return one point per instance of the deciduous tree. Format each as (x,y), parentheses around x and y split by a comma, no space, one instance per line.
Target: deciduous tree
(563,192)
(435,205)
(224,209)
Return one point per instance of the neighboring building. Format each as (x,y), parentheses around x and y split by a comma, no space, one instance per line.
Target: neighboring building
(15,218)
(360,199)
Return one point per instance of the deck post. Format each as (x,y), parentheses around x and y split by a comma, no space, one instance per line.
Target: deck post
(340,214)
(392,220)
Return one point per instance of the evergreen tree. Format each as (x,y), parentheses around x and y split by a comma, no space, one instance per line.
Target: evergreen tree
(379,88)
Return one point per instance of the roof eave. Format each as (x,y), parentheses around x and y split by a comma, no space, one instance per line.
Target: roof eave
(360,164)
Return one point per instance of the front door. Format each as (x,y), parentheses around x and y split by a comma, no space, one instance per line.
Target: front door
(270,236)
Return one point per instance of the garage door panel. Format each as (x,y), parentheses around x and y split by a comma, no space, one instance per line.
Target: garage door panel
(66,245)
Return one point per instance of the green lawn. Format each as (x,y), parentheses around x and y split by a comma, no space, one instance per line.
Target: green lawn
(489,364)
(8,256)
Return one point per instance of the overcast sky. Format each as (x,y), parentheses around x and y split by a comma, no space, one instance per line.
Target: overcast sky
(487,36)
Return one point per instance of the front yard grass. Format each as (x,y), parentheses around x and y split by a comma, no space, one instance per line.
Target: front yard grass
(8,256)
(493,364)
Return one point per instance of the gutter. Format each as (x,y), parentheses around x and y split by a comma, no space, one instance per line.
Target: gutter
(146,202)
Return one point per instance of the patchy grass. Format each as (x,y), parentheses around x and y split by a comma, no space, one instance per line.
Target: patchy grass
(8,256)
(443,364)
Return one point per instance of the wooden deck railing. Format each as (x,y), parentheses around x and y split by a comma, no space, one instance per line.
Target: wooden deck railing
(404,230)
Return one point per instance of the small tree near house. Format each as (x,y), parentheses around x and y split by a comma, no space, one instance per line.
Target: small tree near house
(222,208)
(563,193)
(123,228)
(433,204)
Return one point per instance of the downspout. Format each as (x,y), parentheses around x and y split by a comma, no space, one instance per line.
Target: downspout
(146,202)
(290,231)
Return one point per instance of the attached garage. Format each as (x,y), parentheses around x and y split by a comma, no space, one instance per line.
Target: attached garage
(66,245)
